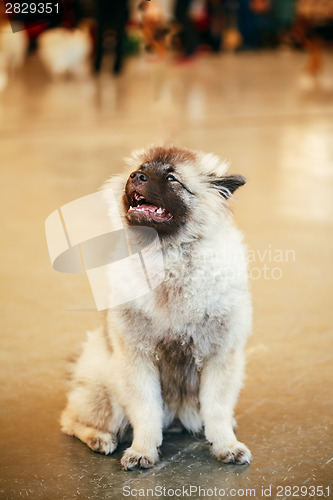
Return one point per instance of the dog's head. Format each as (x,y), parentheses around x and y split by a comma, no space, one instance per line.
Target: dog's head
(172,188)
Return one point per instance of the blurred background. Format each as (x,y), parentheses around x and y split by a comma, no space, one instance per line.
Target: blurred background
(75,35)
(249,80)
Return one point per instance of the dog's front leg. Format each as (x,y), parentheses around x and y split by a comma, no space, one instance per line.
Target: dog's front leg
(221,380)
(142,401)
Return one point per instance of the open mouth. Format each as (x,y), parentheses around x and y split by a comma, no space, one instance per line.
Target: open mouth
(141,210)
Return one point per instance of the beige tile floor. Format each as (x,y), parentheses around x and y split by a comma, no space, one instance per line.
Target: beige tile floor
(60,141)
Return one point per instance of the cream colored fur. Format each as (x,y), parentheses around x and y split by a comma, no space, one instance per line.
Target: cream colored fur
(204,302)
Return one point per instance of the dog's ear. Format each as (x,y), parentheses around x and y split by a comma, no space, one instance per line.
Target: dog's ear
(227,184)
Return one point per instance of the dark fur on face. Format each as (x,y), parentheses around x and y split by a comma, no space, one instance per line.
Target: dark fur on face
(154,194)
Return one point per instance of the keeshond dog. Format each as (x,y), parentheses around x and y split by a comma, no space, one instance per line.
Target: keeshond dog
(177,353)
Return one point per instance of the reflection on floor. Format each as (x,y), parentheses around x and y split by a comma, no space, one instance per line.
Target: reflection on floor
(61,140)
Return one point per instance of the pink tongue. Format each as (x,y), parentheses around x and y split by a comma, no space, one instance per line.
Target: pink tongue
(151,211)
(148,208)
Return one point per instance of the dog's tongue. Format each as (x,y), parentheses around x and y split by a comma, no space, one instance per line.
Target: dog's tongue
(146,208)
(150,212)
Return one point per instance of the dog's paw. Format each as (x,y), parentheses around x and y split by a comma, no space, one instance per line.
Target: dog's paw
(133,459)
(236,453)
(102,442)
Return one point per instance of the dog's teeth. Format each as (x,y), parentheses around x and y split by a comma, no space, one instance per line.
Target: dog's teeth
(159,211)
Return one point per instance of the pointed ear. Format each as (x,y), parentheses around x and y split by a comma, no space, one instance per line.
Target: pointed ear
(227,184)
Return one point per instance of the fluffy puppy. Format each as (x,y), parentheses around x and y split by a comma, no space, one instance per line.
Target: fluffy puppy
(177,352)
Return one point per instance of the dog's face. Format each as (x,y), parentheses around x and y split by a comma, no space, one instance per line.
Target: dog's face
(154,196)
(170,188)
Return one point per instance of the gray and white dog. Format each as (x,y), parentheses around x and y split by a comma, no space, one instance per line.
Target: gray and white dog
(177,352)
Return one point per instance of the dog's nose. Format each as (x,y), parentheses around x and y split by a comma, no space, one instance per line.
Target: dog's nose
(139,176)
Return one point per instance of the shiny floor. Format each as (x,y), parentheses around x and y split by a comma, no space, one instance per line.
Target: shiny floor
(59,141)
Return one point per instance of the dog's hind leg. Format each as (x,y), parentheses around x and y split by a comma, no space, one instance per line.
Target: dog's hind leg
(93,418)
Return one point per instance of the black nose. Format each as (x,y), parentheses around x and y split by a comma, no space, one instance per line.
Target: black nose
(139,176)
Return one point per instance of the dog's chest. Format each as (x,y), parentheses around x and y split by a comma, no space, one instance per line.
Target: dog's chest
(189,307)
(191,293)
(181,327)
(179,370)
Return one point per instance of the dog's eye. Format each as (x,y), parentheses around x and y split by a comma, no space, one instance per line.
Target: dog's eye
(170,178)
